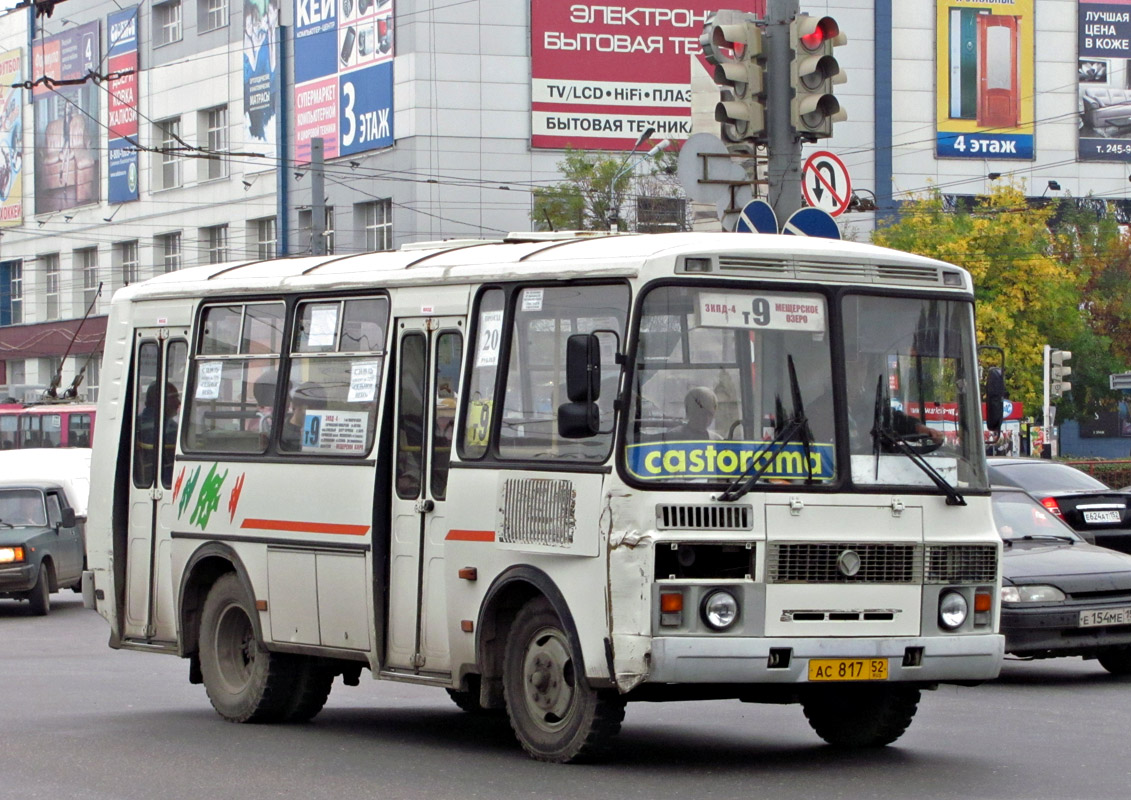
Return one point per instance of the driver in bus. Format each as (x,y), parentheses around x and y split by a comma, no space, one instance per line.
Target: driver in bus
(700,406)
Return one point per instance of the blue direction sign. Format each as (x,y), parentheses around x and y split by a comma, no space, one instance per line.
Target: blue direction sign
(757,216)
(812,222)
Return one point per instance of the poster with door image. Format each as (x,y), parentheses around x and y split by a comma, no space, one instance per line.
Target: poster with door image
(984,58)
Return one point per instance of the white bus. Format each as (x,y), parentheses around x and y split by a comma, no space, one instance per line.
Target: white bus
(553,476)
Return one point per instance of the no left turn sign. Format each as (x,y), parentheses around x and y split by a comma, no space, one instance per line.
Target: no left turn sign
(825,183)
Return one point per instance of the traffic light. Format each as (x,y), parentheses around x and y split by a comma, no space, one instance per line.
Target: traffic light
(1058,372)
(813,72)
(735,50)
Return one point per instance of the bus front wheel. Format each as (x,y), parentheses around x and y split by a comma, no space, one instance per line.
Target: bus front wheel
(860,716)
(245,682)
(555,714)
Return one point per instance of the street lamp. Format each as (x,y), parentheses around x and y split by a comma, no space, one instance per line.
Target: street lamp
(626,165)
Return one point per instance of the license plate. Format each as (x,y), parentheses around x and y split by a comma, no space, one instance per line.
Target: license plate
(848,669)
(1107,616)
(1093,517)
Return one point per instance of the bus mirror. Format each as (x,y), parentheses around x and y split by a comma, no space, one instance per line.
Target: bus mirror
(995,398)
(578,420)
(583,368)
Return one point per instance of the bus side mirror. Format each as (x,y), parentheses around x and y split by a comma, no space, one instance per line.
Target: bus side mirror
(995,398)
(580,418)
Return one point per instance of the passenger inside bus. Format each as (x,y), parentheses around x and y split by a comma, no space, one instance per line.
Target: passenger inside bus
(147,427)
(307,396)
(700,406)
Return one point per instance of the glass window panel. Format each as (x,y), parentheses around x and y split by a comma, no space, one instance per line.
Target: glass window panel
(449,353)
(223,414)
(221,330)
(146,415)
(488,345)
(317,330)
(410,417)
(363,329)
(263,329)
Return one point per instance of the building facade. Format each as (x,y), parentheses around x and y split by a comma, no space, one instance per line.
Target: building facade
(137,140)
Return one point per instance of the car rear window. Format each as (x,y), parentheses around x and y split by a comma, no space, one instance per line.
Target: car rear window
(1046,478)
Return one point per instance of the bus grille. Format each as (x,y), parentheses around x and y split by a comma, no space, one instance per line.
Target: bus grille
(690,517)
(961,563)
(538,511)
(822,562)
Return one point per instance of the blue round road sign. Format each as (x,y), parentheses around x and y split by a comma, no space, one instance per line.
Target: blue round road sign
(757,216)
(812,222)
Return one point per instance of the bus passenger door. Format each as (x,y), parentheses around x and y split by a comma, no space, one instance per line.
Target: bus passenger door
(429,352)
(159,361)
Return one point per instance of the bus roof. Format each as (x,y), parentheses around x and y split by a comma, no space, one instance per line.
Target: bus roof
(749,255)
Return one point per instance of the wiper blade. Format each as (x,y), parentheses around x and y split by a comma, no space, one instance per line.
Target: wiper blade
(1029,537)
(892,439)
(798,426)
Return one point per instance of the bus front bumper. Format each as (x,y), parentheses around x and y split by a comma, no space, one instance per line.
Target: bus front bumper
(735,660)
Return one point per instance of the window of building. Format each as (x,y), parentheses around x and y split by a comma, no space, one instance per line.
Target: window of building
(50,285)
(128,263)
(167,23)
(169,134)
(90,380)
(212,15)
(17,373)
(377,220)
(329,230)
(265,238)
(216,240)
(86,261)
(16,278)
(306,224)
(215,122)
(169,250)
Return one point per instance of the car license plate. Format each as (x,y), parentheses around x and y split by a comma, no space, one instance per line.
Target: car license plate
(1106,616)
(848,669)
(1093,517)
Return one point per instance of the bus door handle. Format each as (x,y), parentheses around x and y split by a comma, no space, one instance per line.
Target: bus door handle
(425,506)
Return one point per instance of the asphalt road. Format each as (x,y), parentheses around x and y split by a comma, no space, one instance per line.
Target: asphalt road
(84,721)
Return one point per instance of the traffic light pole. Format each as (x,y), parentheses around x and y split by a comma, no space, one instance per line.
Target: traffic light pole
(783,171)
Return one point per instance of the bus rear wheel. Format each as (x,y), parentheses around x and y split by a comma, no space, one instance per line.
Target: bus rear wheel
(553,711)
(861,716)
(245,682)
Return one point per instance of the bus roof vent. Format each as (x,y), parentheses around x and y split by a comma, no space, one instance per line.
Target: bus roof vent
(831,271)
(751,265)
(909,273)
(704,517)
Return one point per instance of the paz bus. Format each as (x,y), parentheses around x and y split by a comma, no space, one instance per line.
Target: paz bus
(46,425)
(553,474)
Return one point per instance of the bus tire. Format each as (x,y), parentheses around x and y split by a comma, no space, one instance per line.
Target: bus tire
(39,597)
(313,681)
(245,682)
(857,717)
(553,711)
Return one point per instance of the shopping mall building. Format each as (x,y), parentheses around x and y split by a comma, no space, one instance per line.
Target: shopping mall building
(139,140)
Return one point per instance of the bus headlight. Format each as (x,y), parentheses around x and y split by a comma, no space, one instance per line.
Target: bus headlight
(720,610)
(953,610)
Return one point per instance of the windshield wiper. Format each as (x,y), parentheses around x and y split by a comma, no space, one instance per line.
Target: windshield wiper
(882,433)
(798,425)
(1029,537)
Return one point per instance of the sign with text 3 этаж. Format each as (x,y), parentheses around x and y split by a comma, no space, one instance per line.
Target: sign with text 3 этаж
(343,76)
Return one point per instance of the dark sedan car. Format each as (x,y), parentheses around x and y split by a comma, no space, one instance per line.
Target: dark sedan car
(1060,596)
(1100,514)
(41,543)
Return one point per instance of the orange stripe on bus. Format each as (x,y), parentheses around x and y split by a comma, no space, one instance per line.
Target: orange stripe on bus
(470,536)
(304,527)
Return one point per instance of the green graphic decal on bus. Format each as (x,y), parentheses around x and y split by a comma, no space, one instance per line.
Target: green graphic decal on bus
(711,459)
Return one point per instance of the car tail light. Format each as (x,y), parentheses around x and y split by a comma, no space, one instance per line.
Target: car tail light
(1051,504)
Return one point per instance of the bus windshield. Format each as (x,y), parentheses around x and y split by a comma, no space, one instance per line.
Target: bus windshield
(734,382)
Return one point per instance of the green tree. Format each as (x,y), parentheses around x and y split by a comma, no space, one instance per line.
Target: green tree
(596,187)
(1026,295)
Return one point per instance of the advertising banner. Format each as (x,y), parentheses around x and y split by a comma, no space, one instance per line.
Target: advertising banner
(603,74)
(261,75)
(343,76)
(66,120)
(1104,50)
(11,138)
(121,103)
(984,57)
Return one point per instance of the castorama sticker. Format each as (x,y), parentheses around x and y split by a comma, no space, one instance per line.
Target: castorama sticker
(343,76)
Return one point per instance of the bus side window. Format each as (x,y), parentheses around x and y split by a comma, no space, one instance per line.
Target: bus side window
(475,435)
